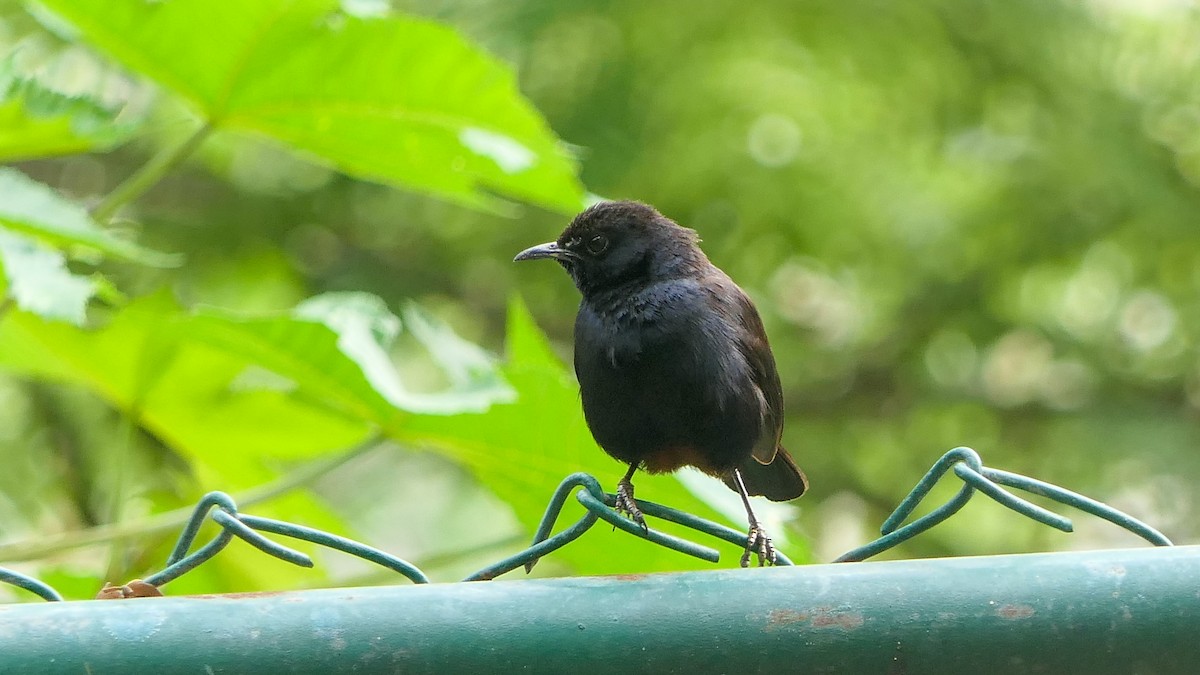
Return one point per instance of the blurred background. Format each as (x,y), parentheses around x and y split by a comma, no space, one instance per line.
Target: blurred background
(964,223)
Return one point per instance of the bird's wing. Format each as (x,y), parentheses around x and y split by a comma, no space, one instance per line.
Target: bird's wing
(752,342)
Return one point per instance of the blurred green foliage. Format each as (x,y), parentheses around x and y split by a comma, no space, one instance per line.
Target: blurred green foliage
(964,223)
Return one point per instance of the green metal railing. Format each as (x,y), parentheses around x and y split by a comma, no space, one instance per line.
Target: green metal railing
(879,602)
(1100,613)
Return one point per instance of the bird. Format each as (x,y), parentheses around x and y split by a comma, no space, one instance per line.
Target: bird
(672,359)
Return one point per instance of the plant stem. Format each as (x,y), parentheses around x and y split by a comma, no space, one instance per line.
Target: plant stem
(119,466)
(150,173)
(46,545)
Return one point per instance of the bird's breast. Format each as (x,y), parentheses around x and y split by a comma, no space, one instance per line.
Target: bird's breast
(664,385)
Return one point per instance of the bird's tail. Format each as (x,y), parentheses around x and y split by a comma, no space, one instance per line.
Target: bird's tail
(779,481)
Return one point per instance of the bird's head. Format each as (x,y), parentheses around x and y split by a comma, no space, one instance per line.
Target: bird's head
(613,244)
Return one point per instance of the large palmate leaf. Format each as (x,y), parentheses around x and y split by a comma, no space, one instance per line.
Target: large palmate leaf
(39,282)
(231,393)
(35,221)
(395,99)
(336,346)
(31,208)
(38,122)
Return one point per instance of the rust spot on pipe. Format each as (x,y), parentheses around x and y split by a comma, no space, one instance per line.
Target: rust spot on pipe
(824,617)
(235,596)
(778,618)
(628,577)
(1014,612)
(831,618)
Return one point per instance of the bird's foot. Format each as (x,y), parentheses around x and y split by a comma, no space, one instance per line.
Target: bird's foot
(758,543)
(627,506)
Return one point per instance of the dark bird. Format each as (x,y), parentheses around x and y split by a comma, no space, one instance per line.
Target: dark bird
(673,363)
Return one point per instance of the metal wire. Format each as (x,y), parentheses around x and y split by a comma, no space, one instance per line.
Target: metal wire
(220,509)
(967,466)
(600,506)
(42,589)
(343,544)
(1080,502)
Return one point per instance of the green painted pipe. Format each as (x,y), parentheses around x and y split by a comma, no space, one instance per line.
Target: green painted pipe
(1123,611)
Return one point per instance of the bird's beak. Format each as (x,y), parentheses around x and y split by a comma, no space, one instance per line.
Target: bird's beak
(548,250)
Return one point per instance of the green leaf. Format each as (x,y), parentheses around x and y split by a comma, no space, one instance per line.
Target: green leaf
(36,210)
(475,380)
(337,344)
(39,281)
(236,394)
(395,99)
(521,451)
(230,434)
(37,122)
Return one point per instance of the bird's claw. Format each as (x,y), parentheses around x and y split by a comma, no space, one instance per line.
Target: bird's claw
(758,543)
(627,506)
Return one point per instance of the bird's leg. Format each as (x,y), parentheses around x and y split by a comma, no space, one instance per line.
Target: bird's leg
(757,541)
(625,502)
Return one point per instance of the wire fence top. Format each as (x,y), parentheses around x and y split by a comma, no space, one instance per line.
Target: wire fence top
(965,463)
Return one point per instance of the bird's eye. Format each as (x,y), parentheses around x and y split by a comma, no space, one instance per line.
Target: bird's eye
(597,244)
